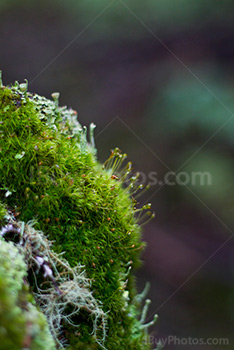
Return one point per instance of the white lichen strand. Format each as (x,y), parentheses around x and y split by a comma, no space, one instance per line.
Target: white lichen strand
(24,86)
(138,300)
(145,310)
(1,83)
(151,323)
(91,134)
(140,297)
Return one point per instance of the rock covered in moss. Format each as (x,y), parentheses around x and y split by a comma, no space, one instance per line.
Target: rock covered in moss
(49,172)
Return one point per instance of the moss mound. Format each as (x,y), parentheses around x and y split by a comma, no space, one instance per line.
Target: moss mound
(49,173)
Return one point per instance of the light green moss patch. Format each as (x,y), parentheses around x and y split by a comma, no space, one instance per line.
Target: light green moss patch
(22,325)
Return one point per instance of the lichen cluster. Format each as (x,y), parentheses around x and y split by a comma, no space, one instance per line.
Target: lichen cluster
(49,173)
(63,287)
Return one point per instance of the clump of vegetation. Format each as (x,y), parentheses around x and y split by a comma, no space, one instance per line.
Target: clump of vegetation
(49,175)
(22,325)
(67,287)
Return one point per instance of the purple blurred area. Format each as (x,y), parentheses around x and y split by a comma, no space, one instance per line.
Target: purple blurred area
(157,80)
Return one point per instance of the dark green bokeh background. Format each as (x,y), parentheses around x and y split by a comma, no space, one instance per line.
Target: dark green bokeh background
(165,68)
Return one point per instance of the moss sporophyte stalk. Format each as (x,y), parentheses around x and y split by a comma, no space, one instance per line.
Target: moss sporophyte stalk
(70,233)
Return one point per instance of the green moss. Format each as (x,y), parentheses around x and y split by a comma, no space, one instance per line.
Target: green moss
(21,324)
(2,214)
(49,172)
(41,338)
(12,320)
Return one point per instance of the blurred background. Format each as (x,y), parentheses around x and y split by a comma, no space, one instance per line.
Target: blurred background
(157,78)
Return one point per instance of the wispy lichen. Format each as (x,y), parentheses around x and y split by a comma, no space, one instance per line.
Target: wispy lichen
(64,291)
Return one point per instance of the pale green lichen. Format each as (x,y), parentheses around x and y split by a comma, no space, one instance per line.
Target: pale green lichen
(22,325)
(38,330)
